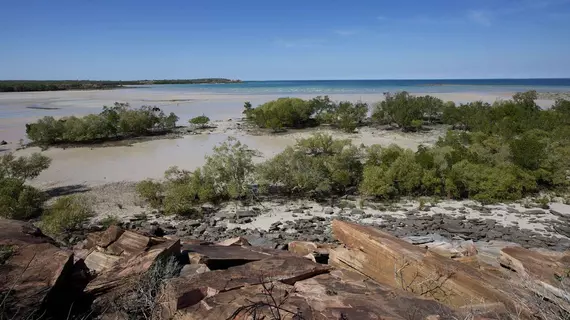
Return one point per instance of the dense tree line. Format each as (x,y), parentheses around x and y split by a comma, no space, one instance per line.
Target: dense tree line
(298,113)
(114,122)
(60,85)
(498,152)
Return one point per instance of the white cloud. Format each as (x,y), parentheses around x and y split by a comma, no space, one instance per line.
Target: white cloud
(380,18)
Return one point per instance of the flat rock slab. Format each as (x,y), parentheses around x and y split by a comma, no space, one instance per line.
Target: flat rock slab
(99,261)
(104,238)
(323,297)
(348,295)
(35,272)
(548,271)
(222,257)
(129,243)
(242,303)
(181,293)
(399,264)
(121,275)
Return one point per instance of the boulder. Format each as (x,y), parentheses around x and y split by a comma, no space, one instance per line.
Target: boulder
(104,238)
(190,270)
(37,274)
(302,248)
(181,293)
(399,264)
(124,273)
(129,243)
(99,261)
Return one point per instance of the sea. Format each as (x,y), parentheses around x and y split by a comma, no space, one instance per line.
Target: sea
(371,86)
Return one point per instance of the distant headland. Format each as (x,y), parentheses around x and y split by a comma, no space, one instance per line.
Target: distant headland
(62,85)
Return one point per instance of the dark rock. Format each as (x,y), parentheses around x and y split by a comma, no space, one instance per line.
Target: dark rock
(354,212)
(245,214)
(534,212)
(3,143)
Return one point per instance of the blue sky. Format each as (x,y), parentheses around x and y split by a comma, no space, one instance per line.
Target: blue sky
(268,40)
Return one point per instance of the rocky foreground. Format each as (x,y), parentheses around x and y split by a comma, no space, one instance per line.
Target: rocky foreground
(368,274)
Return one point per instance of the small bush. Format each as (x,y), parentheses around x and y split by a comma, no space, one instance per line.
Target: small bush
(200,121)
(317,165)
(113,122)
(407,111)
(18,200)
(281,113)
(109,220)
(68,213)
(151,191)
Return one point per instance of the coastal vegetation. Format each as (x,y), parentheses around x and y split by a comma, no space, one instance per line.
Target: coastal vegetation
(499,152)
(61,85)
(409,112)
(68,213)
(226,175)
(297,113)
(18,200)
(199,121)
(116,122)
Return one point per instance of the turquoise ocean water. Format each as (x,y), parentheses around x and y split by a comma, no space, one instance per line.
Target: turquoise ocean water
(371,86)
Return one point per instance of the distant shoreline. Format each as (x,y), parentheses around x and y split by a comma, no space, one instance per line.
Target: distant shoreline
(67,85)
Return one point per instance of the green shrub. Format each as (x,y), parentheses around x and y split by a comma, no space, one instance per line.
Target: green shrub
(18,200)
(344,115)
(68,213)
(23,168)
(117,121)
(151,191)
(110,220)
(318,165)
(226,175)
(229,169)
(298,113)
(281,113)
(407,111)
(200,121)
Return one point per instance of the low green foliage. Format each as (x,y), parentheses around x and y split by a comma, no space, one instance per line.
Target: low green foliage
(68,213)
(18,200)
(298,113)
(407,111)
(508,152)
(113,122)
(109,220)
(318,165)
(226,175)
(150,191)
(200,121)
